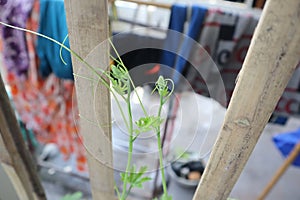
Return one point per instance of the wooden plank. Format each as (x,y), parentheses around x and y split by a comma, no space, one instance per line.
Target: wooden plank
(88,27)
(15,152)
(271,60)
(4,155)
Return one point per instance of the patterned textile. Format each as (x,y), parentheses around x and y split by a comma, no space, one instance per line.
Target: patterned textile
(49,109)
(47,106)
(226,38)
(33,24)
(1,46)
(14,43)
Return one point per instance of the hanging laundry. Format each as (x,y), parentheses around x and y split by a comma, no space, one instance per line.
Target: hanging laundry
(225,39)
(194,30)
(286,142)
(33,24)
(14,44)
(47,106)
(53,24)
(289,103)
(174,37)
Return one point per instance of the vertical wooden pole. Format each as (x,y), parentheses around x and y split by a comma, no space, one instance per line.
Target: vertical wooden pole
(14,152)
(88,27)
(271,59)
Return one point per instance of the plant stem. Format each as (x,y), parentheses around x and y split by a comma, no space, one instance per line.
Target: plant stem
(130,148)
(161,164)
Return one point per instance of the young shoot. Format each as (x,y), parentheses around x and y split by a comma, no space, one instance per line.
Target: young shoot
(120,83)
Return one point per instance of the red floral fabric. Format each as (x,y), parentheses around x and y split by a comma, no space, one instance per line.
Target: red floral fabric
(47,106)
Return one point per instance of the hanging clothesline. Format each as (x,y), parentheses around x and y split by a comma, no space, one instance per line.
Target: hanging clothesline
(214,4)
(210,3)
(148,3)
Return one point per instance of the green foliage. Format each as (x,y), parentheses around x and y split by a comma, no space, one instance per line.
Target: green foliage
(120,73)
(74,196)
(149,123)
(144,124)
(121,83)
(119,78)
(134,178)
(161,86)
(164,197)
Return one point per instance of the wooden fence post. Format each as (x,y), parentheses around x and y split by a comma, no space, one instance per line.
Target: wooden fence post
(88,26)
(271,60)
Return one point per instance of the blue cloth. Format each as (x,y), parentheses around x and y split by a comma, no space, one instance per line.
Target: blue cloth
(173,40)
(286,142)
(53,24)
(195,24)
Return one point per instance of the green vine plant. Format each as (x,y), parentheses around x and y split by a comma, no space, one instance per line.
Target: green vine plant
(74,196)
(120,83)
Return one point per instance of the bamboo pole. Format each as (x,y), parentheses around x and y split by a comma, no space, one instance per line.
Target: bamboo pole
(288,161)
(271,59)
(88,27)
(14,154)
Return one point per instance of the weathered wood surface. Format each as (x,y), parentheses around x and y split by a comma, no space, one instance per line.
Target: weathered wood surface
(14,153)
(271,59)
(88,27)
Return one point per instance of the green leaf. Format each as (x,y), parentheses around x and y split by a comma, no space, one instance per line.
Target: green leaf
(166,197)
(149,123)
(119,87)
(75,196)
(163,89)
(136,179)
(122,176)
(117,190)
(119,72)
(119,78)
(161,86)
